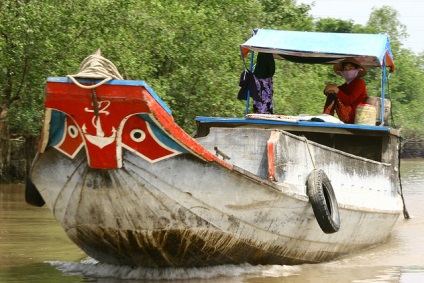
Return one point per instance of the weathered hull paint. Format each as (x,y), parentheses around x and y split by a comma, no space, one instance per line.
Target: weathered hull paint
(186,212)
(188,207)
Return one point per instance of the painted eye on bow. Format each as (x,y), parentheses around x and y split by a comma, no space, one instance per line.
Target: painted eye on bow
(70,142)
(72,131)
(137,135)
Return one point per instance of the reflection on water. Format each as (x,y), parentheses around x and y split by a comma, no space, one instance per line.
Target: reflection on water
(413,176)
(34,248)
(28,237)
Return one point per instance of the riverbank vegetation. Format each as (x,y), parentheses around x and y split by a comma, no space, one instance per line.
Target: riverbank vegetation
(187,51)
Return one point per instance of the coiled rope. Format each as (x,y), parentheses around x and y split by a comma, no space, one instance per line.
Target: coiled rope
(96,67)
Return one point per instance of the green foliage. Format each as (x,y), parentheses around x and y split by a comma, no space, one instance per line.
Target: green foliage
(284,14)
(335,25)
(406,85)
(385,20)
(407,93)
(298,88)
(187,51)
(41,39)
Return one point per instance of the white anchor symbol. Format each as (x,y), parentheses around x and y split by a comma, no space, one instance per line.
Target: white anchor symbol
(99,139)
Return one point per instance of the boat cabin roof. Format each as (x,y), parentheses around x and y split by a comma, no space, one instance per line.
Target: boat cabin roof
(371,50)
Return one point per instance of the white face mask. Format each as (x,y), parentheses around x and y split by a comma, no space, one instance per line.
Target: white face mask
(349,75)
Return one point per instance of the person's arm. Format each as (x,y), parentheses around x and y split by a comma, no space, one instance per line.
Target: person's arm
(351,92)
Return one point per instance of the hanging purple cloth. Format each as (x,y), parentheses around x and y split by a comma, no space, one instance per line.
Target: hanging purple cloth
(263,73)
(266,91)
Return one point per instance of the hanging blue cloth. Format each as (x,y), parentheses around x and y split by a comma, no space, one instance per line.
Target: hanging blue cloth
(247,84)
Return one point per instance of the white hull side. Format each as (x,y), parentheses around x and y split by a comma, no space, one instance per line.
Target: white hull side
(184,212)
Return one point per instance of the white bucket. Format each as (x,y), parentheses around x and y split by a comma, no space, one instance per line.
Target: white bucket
(366,114)
(377,102)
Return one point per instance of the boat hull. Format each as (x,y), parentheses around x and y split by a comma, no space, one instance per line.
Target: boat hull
(186,212)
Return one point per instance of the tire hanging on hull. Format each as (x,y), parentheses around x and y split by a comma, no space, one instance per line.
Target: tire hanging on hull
(323,200)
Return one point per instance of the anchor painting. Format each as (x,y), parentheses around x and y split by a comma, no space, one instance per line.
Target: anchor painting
(113,126)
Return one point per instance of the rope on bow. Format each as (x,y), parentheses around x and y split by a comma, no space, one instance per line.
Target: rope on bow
(96,67)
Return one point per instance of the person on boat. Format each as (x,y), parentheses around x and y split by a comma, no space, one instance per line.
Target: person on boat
(263,73)
(344,99)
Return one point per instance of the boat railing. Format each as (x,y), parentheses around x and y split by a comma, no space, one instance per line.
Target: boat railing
(284,120)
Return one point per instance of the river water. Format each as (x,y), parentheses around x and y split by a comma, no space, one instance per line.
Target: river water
(34,248)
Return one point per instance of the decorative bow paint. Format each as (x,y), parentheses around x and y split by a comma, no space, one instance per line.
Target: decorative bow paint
(121,119)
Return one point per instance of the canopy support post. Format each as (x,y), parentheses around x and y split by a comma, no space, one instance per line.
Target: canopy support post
(252,54)
(383,89)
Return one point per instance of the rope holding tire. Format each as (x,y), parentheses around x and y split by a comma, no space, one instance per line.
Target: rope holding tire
(323,200)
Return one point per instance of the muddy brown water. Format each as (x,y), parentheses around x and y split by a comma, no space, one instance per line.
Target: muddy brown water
(34,248)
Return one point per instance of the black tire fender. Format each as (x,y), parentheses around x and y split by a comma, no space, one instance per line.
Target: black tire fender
(323,201)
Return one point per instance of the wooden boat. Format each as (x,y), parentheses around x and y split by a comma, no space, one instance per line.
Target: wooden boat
(130,187)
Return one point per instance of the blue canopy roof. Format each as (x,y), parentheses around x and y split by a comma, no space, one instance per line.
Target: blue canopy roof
(320,47)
